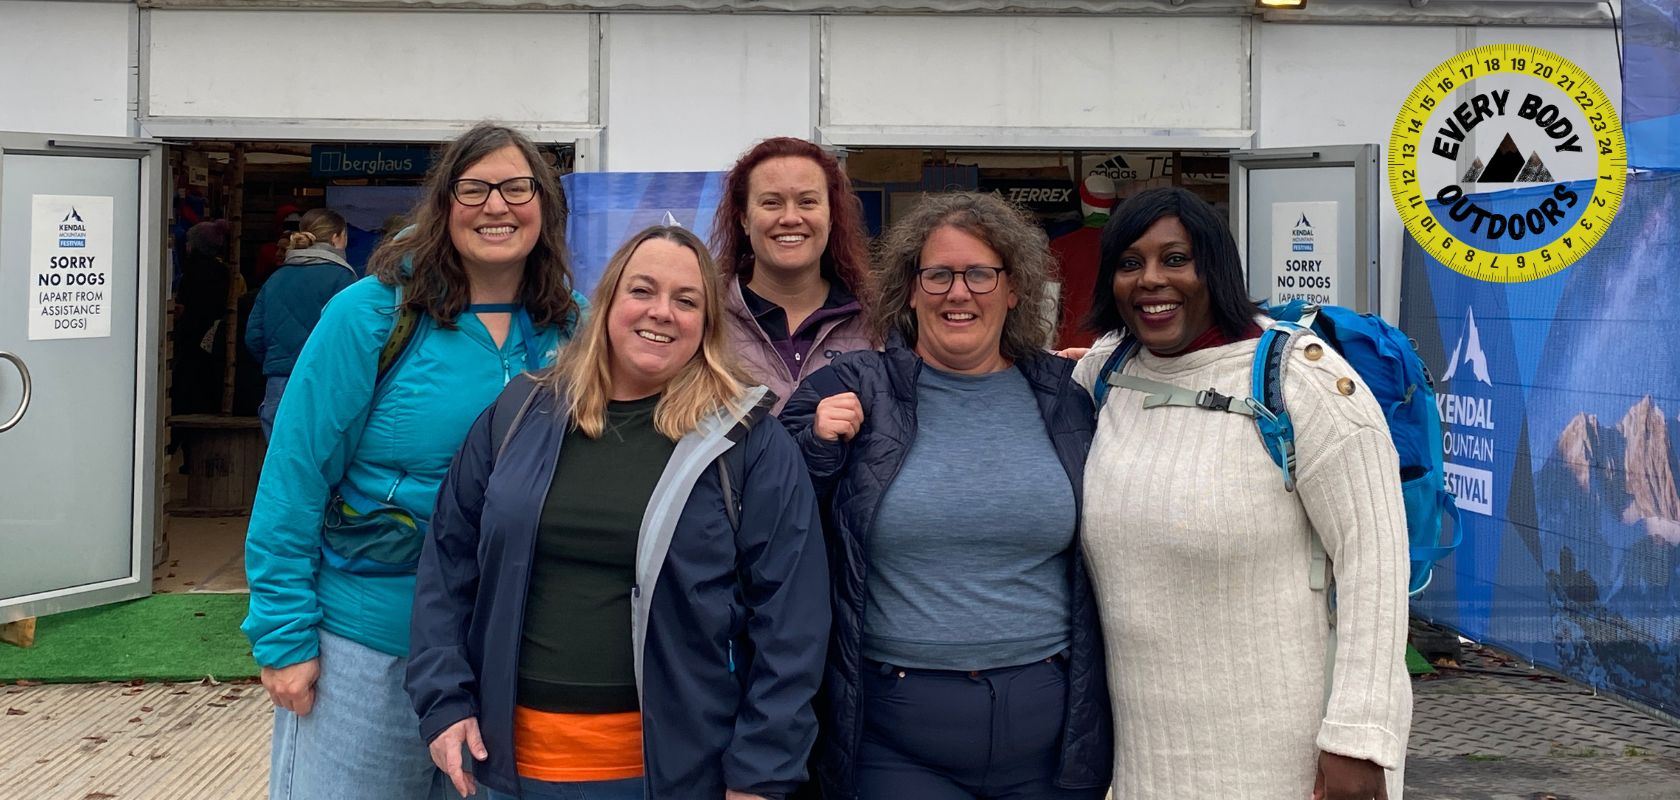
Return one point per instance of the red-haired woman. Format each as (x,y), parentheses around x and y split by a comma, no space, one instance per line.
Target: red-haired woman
(791,246)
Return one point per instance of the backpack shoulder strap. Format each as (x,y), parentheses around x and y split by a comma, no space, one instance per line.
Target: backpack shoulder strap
(402,332)
(732,465)
(1271,413)
(1277,429)
(511,407)
(1111,367)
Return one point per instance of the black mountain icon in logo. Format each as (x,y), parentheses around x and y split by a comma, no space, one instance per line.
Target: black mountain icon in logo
(1509,166)
(72,216)
(1303,222)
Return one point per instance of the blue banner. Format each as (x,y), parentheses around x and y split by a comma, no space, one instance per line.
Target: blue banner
(608,207)
(1651,83)
(1558,396)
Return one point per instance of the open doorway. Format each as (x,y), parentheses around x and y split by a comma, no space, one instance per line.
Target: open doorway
(231,202)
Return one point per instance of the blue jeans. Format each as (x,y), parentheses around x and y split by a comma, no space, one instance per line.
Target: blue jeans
(533,789)
(275,386)
(361,741)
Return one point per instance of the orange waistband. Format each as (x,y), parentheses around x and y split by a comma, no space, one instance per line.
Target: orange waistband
(569,748)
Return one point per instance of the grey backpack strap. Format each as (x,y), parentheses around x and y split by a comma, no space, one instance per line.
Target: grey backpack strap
(1166,394)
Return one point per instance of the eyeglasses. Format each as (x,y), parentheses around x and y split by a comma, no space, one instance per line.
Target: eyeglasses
(474,192)
(939,280)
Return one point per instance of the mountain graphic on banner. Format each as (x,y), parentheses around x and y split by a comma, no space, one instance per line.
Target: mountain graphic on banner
(1474,173)
(1469,351)
(1534,171)
(1509,166)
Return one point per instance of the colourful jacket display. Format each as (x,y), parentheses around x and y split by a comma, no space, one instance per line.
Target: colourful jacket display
(760,358)
(728,625)
(852,477)
(337,432)
(290,303)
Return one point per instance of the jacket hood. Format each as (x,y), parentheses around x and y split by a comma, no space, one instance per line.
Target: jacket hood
(318,253)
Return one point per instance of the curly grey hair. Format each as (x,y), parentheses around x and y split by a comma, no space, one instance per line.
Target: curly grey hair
(1007,229)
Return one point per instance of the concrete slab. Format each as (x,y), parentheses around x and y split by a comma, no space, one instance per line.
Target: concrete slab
(150,742)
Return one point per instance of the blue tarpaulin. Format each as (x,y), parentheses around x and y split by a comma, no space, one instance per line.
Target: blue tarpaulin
(1560,399)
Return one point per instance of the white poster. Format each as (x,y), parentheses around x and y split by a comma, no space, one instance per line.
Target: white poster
(70,270)
(1304,253)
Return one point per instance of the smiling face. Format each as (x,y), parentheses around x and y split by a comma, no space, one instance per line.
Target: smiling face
(495,235)
(1160,296)
(961,331)
(787,218)
(656,320)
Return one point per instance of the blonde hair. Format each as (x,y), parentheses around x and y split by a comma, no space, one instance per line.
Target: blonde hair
(710,381)
(316,225)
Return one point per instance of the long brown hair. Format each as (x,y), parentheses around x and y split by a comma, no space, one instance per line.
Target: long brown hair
(711,380)
(846,258)
(424,261)
(1005,228)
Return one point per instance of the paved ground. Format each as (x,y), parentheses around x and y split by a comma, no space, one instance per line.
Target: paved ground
(1494,731)
(1499,730)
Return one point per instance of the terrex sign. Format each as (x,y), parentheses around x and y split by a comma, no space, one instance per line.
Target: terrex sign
(1513,119)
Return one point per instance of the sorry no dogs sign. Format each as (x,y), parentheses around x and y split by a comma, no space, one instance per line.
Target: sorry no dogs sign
(1521,122)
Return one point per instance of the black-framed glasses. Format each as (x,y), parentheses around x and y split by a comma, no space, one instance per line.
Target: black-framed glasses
(939,280)
(474,192)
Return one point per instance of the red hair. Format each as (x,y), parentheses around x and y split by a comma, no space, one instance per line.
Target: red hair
(846,258)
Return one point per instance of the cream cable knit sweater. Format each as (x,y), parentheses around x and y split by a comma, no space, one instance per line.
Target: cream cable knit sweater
(1215,641)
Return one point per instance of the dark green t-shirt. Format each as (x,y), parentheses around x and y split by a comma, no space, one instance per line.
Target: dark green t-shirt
(575,656)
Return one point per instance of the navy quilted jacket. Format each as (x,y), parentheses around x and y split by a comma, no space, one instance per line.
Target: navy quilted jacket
(851,478)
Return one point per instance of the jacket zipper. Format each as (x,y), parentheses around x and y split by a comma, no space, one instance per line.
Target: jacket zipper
(863,569)
(390,496)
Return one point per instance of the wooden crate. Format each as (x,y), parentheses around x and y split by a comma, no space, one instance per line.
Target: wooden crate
(224,457)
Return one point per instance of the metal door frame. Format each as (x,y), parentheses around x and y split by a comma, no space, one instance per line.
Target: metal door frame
(1367,172)
(148,423)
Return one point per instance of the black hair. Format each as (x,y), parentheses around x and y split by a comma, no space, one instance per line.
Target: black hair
(1212,249)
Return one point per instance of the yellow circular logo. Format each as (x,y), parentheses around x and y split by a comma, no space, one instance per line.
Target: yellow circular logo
(1507,163)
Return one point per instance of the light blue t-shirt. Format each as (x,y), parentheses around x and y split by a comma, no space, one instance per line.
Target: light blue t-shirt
(969,557)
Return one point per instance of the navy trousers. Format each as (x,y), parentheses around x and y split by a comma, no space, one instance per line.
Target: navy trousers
(986,735)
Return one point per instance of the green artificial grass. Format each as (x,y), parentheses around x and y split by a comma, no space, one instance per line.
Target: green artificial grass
(165,637)
(1415,663)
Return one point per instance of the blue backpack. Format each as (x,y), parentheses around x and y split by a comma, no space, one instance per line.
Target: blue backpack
(1387,362)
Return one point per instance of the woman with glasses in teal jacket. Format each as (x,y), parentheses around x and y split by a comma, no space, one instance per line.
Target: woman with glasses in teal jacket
(478,291)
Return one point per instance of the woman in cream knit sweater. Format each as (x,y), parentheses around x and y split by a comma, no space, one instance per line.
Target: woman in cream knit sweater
(1216,642)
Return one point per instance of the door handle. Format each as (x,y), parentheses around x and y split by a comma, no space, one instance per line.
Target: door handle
(23,406)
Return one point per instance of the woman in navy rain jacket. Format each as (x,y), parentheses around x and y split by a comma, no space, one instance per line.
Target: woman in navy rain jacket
(967,657)
(704,643)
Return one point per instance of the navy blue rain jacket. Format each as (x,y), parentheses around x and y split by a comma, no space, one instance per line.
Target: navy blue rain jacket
(729,627)
(852,477)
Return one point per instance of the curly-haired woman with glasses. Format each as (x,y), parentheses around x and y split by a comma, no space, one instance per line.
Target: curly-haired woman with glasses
(401,363)
(966,658)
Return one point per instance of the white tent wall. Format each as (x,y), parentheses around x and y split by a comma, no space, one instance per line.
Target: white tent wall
(64,67)
(1005,80)
(1318,85)
(314,75)
(690,92)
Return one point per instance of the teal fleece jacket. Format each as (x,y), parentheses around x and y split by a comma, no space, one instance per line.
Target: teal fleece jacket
(393,442)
